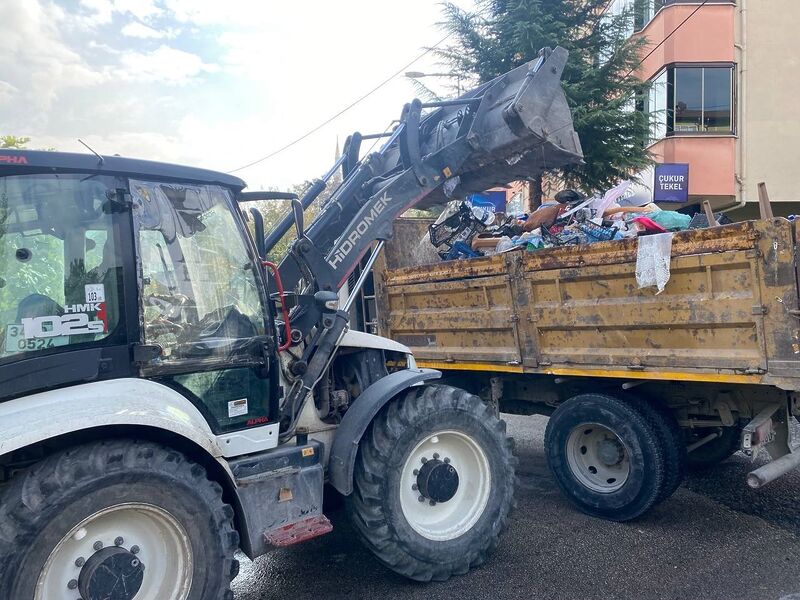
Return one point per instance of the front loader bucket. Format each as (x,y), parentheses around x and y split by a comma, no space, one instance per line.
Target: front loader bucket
(521,127)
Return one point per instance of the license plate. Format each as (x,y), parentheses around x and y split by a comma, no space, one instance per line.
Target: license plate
(16,342)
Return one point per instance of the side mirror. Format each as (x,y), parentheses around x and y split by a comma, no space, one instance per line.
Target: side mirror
(297,209)
(258,222)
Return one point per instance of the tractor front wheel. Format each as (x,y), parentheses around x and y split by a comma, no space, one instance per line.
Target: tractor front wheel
(434,483)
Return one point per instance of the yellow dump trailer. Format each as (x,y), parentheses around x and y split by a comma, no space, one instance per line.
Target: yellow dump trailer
(710,365)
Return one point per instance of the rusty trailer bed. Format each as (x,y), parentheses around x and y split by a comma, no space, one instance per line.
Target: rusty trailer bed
(729,312)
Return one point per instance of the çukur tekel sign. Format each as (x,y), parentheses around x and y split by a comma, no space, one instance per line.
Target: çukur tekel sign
(671,182)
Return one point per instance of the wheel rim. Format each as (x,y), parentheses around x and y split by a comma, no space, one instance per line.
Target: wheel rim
(445,485)
(598,458)
(126,552)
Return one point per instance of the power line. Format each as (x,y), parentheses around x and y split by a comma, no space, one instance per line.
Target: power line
(345,109)
(657,46)
(407,65)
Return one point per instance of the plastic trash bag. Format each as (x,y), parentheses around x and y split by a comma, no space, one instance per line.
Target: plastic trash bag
(610,197)
(669,219)
(652,261)
(504,244)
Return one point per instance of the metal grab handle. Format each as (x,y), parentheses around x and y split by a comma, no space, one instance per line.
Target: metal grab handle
(277,275)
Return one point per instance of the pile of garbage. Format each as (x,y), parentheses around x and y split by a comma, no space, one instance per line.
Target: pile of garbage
(464,230)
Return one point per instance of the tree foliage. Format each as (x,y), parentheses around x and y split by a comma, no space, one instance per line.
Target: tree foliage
(599,80)
(13,141)
(274,211)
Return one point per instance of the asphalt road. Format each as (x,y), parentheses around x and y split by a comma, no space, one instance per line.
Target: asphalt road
(714,538)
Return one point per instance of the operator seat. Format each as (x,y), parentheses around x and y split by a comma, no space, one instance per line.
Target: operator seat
(38,305)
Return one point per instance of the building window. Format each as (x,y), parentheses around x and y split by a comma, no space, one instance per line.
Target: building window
(691,100)
(657,106)
(641,12)
(644,11)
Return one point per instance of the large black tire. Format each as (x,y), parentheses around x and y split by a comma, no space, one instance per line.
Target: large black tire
(714,452)
(671,438)
(43,504)
(385,453)
(624,498)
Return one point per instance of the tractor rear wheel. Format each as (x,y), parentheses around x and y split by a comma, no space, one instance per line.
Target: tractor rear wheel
(118,519)
(434,483)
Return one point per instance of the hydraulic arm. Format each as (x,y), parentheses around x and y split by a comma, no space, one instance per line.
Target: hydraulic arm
(513,127)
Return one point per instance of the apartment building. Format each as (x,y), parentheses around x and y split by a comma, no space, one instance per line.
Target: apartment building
(724,97)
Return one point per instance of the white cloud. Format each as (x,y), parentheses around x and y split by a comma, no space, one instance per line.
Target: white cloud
(164,64)
(7,91)
(190,140)
(36,61)
(100,12)
(139,30)
(216,12)
(144,10)
(68,73)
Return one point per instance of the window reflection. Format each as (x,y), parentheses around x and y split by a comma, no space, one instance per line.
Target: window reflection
(691,100)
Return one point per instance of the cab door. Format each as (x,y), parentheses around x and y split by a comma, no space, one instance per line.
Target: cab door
(202,303)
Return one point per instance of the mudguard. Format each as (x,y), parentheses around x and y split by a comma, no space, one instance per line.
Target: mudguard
(360,415)
(138,402)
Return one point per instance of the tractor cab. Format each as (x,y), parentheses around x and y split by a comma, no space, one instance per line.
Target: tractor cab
(131,268)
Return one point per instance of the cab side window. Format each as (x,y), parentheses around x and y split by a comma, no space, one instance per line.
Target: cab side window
(198,286)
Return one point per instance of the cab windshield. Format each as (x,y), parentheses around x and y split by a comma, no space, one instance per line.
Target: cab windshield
(60,269)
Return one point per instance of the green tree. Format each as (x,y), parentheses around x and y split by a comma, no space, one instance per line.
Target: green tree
(13,141)
(599,80)
(274,210)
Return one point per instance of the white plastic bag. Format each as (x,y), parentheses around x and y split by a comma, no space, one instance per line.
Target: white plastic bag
(504,244)
(652,260)
(610,197)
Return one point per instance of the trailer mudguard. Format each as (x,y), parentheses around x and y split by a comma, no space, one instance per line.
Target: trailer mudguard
(360,415)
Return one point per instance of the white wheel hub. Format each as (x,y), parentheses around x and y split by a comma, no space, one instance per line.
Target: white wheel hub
(598,458)
(136,550)
(445,485)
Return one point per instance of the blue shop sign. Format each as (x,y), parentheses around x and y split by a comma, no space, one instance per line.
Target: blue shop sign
(496,200)
(671,183)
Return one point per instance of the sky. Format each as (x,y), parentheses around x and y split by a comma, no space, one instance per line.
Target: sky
(211,83)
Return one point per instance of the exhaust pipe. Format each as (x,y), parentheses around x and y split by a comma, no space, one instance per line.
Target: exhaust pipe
(773,469)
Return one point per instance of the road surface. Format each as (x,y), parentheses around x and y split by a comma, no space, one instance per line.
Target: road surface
(714,538)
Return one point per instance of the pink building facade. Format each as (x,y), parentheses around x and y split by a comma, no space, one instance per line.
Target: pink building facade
(724,82)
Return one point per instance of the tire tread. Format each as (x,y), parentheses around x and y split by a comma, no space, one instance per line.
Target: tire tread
(365,505)
(671,438)
(649,438)
(33,496)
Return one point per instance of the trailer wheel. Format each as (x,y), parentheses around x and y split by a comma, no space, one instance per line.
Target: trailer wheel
(434,483)
(606,456)
(714,452)
(672,439)
(120,519)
